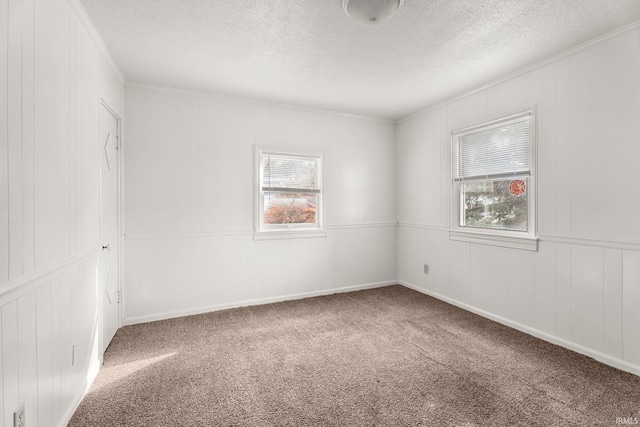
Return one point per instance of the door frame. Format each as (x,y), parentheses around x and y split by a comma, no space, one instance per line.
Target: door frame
(119,226)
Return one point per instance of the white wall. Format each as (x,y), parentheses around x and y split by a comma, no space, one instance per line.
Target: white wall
(582,288)
(188,251)
(189,204)
(52,76)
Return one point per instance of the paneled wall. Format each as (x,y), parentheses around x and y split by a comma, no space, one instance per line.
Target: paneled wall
(52,77)
(582,288)
(189,204)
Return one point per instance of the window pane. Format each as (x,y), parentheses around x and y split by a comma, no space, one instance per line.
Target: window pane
(282,171)
(497,204)
(290,208)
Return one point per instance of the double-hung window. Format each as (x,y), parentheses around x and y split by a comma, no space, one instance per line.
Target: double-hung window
(289,194)
(494,182)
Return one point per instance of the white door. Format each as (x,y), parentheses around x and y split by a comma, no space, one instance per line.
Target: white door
(109,213)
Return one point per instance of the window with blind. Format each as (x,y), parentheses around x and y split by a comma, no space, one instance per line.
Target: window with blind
(289,194)
(493,177)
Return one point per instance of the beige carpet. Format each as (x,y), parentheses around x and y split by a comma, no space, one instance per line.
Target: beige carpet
(381,357)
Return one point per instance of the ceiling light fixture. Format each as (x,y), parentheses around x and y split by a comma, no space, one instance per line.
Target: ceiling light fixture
(371,12)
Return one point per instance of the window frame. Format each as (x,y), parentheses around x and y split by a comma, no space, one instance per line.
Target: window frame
(264,231)
(517,239)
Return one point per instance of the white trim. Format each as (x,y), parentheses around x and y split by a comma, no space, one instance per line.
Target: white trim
(589,241)
(571,240)
(423,226)
(522,116)
(513,242)
(191,234)
(289,234)
(31,281)
(195,234)
(119,226)
(363,225)
(600,357)
(217,307)
(525,240)
(121,217)
(286,231)
(83,17)
(524,70)
(254,101)
(73,407)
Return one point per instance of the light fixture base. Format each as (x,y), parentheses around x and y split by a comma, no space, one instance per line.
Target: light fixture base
(371,12)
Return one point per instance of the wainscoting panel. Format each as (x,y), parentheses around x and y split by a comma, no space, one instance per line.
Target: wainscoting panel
(587,292)
(544,288)
(4,141)
(612,314)
(49,341)
(53,74)
(190,274)
(10,369)
(581,288)
(584,298)
(630,306)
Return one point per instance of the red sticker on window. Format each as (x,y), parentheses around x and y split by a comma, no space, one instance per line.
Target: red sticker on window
(517,187)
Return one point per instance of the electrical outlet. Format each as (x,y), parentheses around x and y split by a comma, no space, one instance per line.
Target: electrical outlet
(18,416)
(74,353)
(426,269)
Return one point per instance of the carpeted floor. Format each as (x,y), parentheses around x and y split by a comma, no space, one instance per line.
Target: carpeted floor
(383,357)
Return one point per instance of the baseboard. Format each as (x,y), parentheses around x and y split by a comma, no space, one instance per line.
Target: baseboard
(71,410)
(603,358)
(91,376)
(217,307)
(600,357)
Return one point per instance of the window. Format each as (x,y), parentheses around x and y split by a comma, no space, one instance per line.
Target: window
(289,194)
(494,182)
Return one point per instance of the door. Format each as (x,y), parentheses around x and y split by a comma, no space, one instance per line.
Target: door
(109,224)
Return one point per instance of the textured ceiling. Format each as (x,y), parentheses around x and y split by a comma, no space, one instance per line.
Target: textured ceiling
(309,53)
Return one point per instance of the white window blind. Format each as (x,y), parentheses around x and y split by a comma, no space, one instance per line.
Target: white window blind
(289,174)
(501,150)
(493,182)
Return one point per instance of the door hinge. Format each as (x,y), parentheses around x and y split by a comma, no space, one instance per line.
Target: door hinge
(117,142)
(118,297)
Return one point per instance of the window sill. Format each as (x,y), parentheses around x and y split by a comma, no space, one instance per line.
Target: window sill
(288,234)
(514,242)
